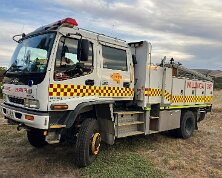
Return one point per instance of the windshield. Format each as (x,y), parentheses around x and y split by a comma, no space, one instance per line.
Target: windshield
(32,54)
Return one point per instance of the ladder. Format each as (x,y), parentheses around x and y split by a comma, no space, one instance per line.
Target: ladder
(129,123)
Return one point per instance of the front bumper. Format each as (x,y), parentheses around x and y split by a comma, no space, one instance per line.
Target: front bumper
(41,119)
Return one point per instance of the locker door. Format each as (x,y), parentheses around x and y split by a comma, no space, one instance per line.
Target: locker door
(190,92)
(209,92)
(178,91)
(200,92)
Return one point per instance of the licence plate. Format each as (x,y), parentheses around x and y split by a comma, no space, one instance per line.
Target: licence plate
(9,113)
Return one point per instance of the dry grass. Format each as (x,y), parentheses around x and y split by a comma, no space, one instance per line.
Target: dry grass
(199,156)
(19,159)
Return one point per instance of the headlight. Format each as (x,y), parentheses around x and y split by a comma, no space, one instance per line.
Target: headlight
(30,103)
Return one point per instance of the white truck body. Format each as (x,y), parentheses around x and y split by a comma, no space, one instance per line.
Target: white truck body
(126,98)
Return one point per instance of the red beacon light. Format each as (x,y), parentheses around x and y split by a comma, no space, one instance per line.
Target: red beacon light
(68,22)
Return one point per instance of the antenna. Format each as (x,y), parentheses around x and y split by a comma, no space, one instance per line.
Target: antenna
(22,30)
(112,31)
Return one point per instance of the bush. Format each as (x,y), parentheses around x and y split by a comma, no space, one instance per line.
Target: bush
(218,83)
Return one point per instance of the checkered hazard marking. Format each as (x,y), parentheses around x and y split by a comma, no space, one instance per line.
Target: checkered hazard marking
(78,90)
(177,99)
(153,92)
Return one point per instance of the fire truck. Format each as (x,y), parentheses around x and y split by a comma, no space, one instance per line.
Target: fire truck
(67,84)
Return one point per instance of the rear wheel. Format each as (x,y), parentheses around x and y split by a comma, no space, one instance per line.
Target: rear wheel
(187,125)
(88,143)
(36,138)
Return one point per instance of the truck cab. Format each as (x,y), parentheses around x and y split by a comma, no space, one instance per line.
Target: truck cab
(60,66)
(60,74)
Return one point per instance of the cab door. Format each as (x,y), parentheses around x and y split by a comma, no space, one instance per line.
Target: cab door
(116,72)
(72,81)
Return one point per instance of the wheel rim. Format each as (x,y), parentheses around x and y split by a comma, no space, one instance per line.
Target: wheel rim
(96,140)
(189,126)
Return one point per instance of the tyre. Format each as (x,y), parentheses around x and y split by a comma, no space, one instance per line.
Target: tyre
(187,125)
(36,138)
(88,143)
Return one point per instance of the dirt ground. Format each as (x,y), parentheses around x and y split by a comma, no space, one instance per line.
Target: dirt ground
(199,156)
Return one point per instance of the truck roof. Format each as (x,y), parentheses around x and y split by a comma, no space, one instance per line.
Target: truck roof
(69,25)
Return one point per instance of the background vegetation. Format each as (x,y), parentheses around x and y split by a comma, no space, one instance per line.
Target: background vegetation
(2,70)
(218,83)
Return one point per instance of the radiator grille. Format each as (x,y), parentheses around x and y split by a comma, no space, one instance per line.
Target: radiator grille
(16,100)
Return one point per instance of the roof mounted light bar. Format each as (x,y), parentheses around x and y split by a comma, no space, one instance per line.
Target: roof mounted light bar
(67,22)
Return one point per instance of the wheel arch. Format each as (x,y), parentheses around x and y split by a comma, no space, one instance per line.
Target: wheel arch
(100,110)
(83,108)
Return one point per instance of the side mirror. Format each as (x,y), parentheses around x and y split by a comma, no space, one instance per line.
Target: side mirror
(134,59)
(83,50)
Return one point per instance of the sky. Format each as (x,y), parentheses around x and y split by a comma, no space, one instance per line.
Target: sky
(190,31)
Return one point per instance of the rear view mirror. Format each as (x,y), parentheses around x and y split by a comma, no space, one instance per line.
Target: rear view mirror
(83,50)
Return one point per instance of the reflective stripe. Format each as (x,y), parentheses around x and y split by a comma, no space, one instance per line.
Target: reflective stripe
(186,106)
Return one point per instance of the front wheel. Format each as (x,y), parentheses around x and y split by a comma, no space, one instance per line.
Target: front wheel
(88,143)
(36,138)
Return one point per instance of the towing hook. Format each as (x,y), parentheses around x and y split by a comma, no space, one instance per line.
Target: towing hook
(20,127)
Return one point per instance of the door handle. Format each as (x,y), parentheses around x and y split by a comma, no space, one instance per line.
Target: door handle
(126,84)
(89,82)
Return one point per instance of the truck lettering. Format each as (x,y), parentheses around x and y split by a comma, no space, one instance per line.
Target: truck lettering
(209,86)
(22,90)
(7,88)
(194,85)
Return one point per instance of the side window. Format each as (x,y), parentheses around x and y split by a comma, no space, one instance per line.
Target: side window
(67,65)
(114,58)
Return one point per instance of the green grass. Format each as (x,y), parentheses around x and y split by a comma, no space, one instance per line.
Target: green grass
(122,160)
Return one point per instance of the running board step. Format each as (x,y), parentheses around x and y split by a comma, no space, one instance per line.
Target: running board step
(128,112)
(154,117)
(57,126)
(129,123)
(122,135)
(53,142)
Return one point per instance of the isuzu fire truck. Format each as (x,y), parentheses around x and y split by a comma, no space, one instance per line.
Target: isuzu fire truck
(69,84)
